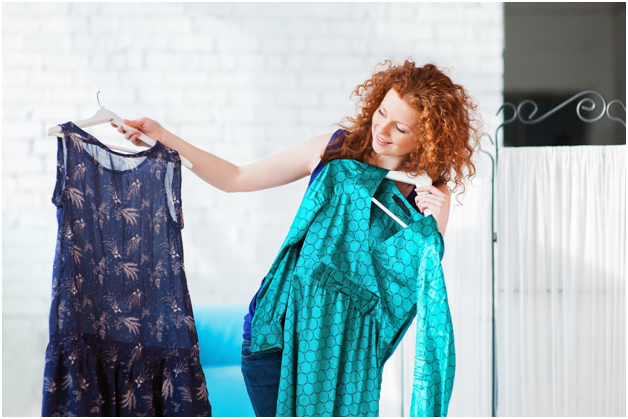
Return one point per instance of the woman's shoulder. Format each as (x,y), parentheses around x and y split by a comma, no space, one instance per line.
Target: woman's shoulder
(338,135)
(335,141)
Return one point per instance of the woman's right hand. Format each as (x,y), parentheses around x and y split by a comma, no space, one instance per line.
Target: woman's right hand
(146,126)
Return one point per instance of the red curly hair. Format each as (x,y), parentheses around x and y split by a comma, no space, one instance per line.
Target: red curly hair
(446,135)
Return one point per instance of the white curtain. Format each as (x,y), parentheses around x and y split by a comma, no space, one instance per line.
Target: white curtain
(467,268)
(560,281)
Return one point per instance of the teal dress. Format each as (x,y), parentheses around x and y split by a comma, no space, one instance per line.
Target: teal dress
(339,304)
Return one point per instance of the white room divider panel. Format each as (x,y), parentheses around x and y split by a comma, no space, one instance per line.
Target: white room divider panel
(561,281)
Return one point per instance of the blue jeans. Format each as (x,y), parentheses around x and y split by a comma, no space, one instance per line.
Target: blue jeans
(261,373)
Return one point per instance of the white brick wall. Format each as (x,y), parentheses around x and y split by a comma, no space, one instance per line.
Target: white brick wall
(241,80)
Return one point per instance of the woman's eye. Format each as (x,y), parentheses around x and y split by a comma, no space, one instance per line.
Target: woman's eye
(380,111)
(400,130)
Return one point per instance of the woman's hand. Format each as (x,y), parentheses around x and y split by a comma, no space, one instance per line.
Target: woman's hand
(437,200)
(141,126)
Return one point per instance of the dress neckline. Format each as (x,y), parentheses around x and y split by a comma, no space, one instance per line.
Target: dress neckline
(384,170)
(99,143)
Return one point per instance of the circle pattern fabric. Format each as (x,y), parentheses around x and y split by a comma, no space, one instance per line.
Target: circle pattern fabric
(342,292)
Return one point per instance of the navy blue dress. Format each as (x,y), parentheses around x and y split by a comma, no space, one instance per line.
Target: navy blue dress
(123,340)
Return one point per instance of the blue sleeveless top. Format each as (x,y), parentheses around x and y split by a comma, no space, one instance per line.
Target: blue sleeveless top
(333,145)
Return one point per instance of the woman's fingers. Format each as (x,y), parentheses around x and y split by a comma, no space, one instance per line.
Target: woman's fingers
(430,189)
(132,135)
(433,198)
(430,201)
(437,201)
(432,194)
(135,123)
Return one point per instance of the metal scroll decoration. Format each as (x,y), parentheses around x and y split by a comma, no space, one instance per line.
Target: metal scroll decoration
(608,108)
(586,104)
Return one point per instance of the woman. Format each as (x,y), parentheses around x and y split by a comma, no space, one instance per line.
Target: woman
(412,119)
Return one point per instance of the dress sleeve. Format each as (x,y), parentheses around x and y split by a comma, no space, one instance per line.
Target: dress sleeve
(273,299)
(435,358)
(274,296)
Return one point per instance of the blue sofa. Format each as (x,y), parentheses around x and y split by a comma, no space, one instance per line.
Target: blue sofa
(219,330)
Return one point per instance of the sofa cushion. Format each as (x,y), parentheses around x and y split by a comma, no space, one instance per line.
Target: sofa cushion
(227,392)
(219,330)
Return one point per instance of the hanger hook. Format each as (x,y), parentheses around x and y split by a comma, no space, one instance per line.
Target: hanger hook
(101,107)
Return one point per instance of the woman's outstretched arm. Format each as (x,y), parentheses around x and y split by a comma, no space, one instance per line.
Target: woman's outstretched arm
(282,168)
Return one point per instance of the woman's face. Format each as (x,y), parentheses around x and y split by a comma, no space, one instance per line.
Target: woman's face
(393,128)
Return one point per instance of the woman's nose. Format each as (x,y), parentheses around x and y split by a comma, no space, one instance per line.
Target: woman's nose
(384,128)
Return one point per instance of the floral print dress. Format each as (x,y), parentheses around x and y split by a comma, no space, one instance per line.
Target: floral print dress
(123,340)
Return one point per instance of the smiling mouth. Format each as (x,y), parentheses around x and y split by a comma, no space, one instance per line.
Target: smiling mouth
(381,141)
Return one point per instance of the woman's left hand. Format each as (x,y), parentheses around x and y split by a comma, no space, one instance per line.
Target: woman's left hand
(437,200)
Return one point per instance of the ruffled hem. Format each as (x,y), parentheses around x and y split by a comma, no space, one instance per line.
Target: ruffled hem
(88,376)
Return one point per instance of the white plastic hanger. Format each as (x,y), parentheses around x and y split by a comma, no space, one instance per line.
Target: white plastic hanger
(418,181)
(104,116)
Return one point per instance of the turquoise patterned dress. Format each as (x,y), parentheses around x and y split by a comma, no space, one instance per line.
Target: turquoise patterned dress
(339,306)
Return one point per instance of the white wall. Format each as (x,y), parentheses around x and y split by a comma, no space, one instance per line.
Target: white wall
(240,80)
